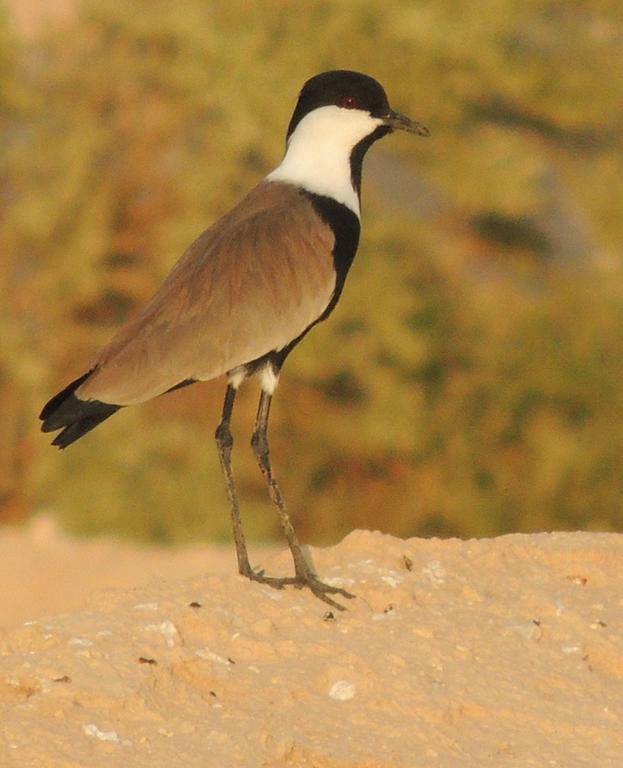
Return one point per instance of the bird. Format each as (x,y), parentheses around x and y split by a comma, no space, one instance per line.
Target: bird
(248,290)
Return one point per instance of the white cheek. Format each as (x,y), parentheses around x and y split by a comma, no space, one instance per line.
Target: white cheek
(318,153)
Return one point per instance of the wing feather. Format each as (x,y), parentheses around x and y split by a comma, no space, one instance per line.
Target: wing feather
(248,285)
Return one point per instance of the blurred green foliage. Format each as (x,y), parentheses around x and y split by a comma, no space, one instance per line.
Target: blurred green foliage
(469,383)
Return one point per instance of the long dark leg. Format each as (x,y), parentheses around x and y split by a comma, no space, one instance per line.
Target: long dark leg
(224,443)
(304,574)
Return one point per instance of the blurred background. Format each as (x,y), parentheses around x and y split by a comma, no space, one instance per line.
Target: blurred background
(471,380)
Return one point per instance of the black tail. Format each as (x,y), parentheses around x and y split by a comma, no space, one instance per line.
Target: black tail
(74,416)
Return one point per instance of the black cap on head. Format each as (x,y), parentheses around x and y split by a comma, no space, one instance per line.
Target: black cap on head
(342,88)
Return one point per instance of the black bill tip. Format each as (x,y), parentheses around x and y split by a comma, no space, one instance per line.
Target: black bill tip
(399,122)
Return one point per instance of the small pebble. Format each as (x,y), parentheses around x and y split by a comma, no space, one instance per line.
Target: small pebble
(342,690)
(92,730)
(435,572)
(167,629)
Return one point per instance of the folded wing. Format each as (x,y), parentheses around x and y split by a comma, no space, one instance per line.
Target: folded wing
(250,284)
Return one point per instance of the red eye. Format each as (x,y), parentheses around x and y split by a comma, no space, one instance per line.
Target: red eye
(348,102)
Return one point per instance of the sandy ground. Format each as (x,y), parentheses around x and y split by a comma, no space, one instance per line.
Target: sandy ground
(50,573)
(499,652)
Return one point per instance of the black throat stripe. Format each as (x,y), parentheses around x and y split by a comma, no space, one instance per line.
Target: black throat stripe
(346,228)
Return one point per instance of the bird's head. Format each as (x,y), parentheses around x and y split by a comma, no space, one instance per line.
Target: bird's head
(344,102)
(337,118)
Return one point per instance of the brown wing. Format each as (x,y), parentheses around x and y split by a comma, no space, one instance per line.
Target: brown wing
(249,284)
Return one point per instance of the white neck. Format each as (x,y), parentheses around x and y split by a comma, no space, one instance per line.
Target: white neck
(318,153)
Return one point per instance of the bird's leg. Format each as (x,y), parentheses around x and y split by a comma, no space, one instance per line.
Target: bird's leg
(224,443)
(304,577)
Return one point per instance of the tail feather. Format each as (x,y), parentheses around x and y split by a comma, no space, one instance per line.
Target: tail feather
(75,417)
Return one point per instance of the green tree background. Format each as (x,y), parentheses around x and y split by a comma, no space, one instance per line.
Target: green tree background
(470,382)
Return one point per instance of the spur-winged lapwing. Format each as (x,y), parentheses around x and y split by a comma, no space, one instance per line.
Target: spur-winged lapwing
(249,289)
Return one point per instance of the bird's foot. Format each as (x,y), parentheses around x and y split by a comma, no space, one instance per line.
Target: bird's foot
(322,590)
(309,580)
(276,582)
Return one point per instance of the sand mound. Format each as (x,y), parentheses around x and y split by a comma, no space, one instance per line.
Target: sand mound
(480,653)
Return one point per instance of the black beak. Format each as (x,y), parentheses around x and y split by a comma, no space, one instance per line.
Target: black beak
(398,122)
